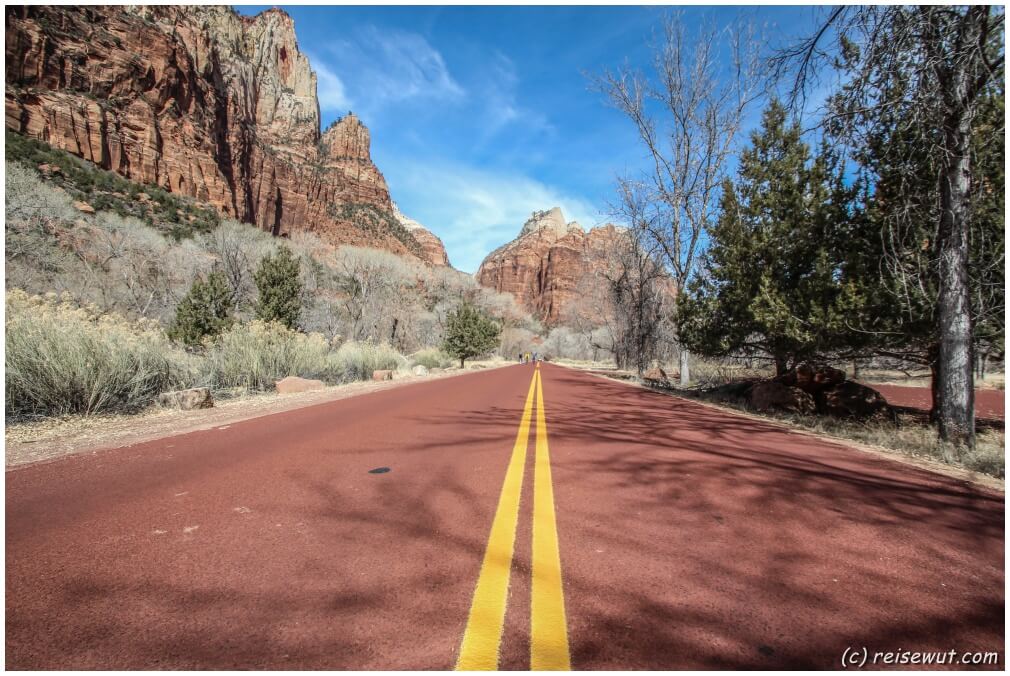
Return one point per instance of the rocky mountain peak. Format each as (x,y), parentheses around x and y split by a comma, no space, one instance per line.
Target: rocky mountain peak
(347,138)
(552,220)
(434,249)
(549,265)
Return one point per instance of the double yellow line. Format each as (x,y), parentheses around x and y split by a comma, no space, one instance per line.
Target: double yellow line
(548,625)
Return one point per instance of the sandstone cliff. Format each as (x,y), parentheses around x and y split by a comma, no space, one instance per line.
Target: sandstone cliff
(434,250)
(550,264)
(203,102)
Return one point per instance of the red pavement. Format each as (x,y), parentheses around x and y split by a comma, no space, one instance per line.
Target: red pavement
(689,537)
(989,404)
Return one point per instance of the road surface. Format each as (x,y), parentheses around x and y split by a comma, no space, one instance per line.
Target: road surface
(989,404)
(598,526)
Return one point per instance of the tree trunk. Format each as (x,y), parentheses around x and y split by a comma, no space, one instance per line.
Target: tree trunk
(685,373)
(462,360)
(781,365)
(855,369)
(956,384)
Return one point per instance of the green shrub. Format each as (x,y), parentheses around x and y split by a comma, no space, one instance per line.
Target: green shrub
(431,357)
(357,361)
(280,287)
(62,359)
(469,333)
(256,354)
(203,311)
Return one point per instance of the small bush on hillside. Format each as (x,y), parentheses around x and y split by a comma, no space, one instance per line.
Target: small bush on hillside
(469,333)
(176,215)
(62,359)
(357,361)
(204,311)
(254,355)
(279,282)
(431,357)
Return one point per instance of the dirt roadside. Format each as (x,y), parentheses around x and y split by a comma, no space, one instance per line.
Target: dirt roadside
(880,451)
(46,440)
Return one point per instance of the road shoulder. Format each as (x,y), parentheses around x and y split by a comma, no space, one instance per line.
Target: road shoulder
(51,439)
(934,466)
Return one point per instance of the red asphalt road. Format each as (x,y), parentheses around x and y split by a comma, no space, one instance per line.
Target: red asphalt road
(689,537)
(989,404)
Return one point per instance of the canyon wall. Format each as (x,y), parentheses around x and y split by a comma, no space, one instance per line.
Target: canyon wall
(204,102)
(550,265)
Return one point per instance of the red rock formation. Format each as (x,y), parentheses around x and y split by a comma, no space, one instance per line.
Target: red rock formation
(548,267)
(434,250)
(203,102)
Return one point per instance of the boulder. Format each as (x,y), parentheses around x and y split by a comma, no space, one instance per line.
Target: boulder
(656,373)
(734,391)
(811,378)
(769,395)
(187,400)
(420,370)
(384,374)
(293,384)
(84,207)
(852,400)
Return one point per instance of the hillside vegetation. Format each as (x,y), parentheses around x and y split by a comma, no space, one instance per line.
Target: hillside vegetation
(92,297)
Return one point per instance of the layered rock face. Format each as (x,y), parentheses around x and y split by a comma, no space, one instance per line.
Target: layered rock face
(203,102)
(550,265)
(433,249)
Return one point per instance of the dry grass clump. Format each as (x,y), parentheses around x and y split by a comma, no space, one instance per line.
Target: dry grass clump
(908,435)
(357,361)
(431,357)
(255,355)
(63,358)
(911,437)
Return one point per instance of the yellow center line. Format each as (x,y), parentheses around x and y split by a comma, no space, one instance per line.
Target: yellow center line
(482,638)
(548,624)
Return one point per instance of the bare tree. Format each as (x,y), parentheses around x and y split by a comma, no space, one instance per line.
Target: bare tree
(639,286)
(688,115)
(937,62)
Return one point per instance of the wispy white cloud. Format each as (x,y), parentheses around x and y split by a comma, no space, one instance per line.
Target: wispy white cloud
(501,100)
(391,65)
(330,88)
(474,210)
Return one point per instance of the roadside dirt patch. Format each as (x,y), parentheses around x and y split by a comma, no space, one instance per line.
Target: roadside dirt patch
(52,438)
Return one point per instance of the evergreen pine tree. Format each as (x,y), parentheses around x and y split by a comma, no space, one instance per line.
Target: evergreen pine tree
(469,333)
(280,288)
(203,311)
(770,280)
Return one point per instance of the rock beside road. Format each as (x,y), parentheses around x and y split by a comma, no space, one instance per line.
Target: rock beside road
(851,400)
(293,384)
(420,370)
(766,395)
(811,378)
(807,389)
(656,373)
(187,400)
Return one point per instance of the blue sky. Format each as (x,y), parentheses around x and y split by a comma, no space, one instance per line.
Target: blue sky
(481,115)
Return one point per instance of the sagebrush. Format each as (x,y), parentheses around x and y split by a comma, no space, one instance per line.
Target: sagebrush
(62,358)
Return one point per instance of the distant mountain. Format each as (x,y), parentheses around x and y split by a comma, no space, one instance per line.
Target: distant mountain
(205,103)
(548,266)
(434,249)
